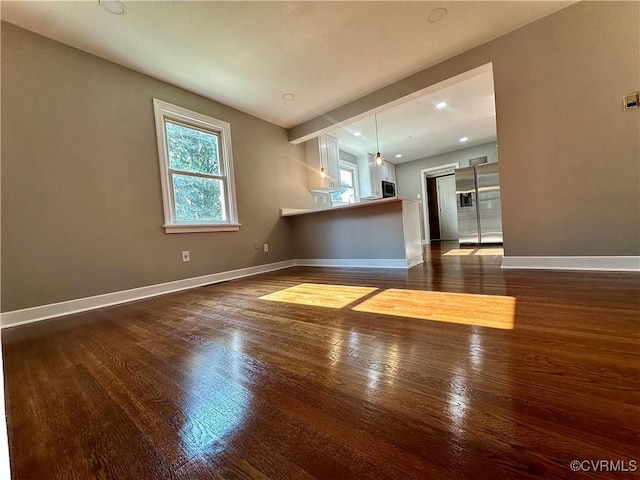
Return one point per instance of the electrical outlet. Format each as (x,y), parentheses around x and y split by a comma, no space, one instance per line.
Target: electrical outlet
(315,198)
(631,101)
(186,257)
(256,244)
(265,247)
(324,199)
(418,195)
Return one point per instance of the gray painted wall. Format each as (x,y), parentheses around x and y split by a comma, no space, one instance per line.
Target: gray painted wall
(569,155)
(409,178)
(374,231)
(81,198)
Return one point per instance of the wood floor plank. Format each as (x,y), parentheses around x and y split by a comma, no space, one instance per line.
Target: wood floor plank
(238,380)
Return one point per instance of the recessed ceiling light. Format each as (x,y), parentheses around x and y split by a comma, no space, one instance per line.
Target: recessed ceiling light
(437,14)
(356,134)
(288,96)
(441,105)
(113,6)
(399,155)
(464,139)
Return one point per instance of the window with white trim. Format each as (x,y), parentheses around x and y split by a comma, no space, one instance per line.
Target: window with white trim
(196,167)
(349,191)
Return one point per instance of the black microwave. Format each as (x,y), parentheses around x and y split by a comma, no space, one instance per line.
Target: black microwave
(388,189)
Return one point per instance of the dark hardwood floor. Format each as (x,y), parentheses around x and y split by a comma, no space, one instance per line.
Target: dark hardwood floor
(217,382)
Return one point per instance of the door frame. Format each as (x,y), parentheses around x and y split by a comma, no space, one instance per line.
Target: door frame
(424,174)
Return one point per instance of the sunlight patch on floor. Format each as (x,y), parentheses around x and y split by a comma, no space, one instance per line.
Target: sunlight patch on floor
(320,295)
(459,252)
(490,251)
(492,311)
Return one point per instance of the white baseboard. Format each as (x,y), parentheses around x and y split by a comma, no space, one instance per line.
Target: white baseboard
(417,260)
(43,312)
(614,264)
(354,262)
(34,314)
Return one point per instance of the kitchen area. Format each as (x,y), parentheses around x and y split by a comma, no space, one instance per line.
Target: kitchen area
(436,179)
(360,221)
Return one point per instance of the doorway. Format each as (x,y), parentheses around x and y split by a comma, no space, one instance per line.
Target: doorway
(447,207)
(438,192)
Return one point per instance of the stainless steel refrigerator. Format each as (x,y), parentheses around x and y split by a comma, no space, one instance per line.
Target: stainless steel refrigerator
(478,198)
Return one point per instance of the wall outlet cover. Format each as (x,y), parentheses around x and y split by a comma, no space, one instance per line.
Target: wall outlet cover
(631,101)
(186,256)
(265,247)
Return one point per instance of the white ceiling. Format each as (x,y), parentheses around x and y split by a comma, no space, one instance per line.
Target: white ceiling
(417,129)
(247,54)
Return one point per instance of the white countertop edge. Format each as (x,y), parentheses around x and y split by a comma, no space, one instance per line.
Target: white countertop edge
(291,212)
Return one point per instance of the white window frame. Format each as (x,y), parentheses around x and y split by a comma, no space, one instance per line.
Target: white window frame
(167,112)
(343,164)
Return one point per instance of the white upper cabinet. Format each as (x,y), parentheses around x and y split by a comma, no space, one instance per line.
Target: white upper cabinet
(370,177)
(388,172)
(322,154)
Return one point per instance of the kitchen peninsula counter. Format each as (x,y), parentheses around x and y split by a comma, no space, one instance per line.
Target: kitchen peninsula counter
(381,233)
(289,212)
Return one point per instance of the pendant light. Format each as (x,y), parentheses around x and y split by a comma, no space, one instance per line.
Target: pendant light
(379,158)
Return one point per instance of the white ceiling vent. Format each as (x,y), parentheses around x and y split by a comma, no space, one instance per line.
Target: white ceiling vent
(478,161)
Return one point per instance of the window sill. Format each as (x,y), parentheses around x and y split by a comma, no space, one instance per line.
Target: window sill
(195,228)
